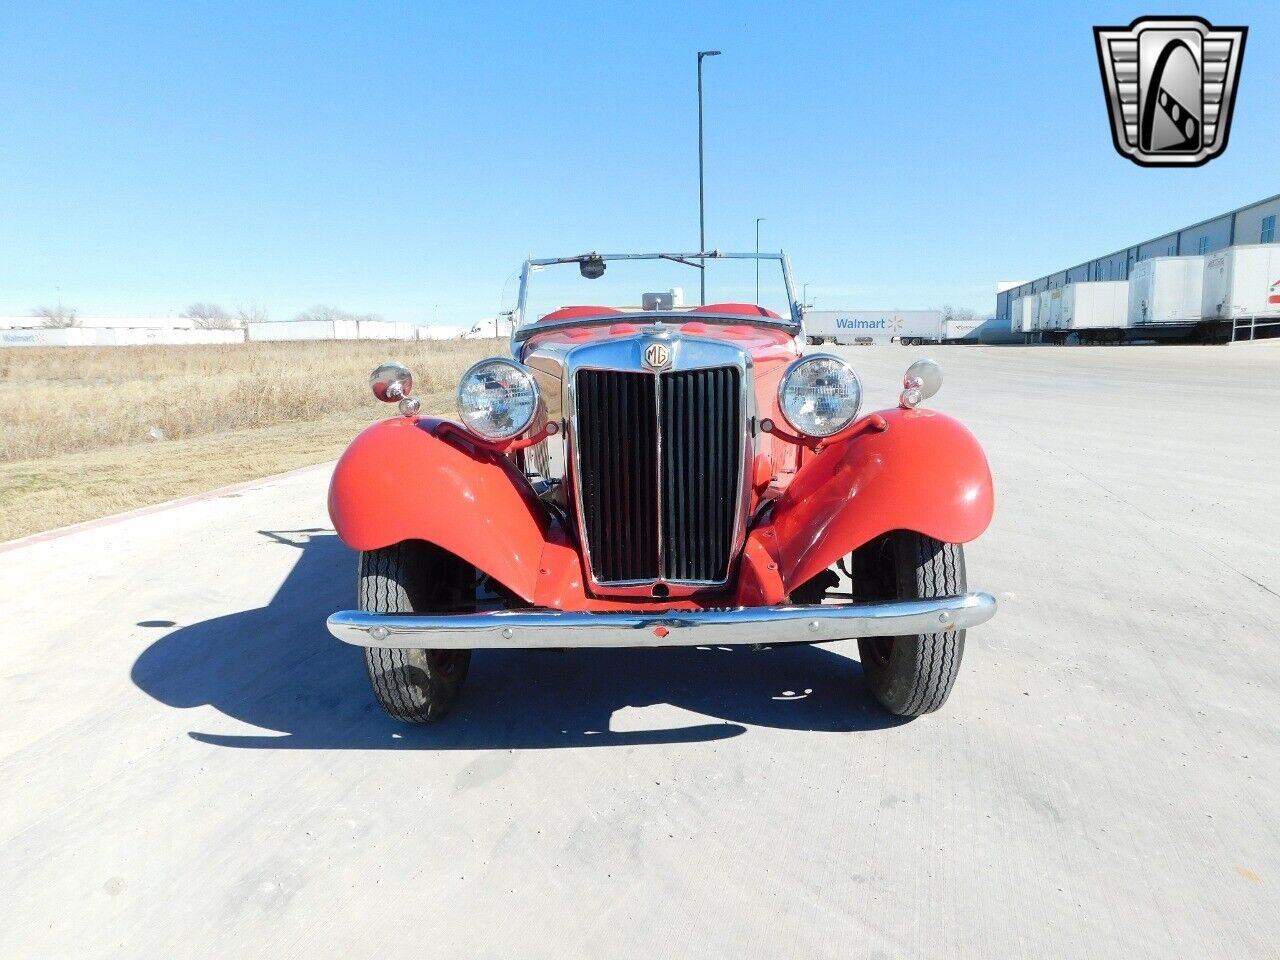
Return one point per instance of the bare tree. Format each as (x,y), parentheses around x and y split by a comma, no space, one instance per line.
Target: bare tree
(961,314)
(209,316)
(58,316)
(328,314)
(252,313)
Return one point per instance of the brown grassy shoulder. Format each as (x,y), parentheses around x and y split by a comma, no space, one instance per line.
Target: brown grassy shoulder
(75,423)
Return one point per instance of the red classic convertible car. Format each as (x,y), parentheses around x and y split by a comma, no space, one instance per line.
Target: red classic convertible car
(655,474)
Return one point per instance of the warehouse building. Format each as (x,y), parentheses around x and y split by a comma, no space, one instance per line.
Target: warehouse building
(1253,224)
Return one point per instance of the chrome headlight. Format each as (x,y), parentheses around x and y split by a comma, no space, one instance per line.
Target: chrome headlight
(497,399)
(819,395)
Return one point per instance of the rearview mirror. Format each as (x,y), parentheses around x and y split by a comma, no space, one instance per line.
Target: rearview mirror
(592,267)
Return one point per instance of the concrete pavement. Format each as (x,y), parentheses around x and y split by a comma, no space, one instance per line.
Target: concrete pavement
(193,767)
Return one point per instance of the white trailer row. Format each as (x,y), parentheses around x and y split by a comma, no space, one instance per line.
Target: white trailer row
(132,336)
(1224,295)
(282,330)
(1091,311)
(22,332)
(290,330)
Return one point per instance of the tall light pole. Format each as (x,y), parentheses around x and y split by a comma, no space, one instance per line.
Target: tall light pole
(702,219)
(804,298)
(758,219)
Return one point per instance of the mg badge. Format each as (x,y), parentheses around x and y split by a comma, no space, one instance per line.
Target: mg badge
(1170,84)
(657,356)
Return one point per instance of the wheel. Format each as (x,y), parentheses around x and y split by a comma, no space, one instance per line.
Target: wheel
(910,675)
(415,686)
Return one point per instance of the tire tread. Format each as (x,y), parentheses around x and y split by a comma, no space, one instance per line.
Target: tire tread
(927,664)
(382,585)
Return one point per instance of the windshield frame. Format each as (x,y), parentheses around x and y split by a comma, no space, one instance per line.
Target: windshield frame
(520,331)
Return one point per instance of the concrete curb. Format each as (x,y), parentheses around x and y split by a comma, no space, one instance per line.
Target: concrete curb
(59,532)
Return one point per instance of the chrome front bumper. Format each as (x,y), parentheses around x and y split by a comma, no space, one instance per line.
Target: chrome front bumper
(670,628)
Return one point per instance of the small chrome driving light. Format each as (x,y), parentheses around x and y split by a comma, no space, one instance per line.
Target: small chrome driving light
(497,399)
(391,381)
(923,379)
(819,395)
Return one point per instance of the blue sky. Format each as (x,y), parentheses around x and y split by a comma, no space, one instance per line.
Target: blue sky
(403,158)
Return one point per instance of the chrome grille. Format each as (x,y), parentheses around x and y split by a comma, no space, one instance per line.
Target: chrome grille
(660,473)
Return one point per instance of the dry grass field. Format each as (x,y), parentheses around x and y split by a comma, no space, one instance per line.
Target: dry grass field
(89,431)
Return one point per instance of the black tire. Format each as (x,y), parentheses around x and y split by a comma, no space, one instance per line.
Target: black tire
(416,686)
(910,675)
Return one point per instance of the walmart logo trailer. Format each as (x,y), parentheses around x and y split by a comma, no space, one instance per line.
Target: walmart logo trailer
(858,323)
(873,326)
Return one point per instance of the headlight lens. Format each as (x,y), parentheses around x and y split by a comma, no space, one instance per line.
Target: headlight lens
(819,395)
(497,399)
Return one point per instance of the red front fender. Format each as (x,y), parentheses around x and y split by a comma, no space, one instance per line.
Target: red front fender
(925,472)
(397,481)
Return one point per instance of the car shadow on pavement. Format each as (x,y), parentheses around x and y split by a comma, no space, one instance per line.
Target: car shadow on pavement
(277,668)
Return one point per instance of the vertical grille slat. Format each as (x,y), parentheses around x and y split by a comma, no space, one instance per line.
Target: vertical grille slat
(659,472)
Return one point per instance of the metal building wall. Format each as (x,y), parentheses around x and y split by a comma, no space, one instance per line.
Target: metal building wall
(1249,221)
(1215,233)
(1240,226)
(1166,246)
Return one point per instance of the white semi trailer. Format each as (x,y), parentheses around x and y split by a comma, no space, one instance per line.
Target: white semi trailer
(1242,288)
(873,326)
(1164,291)
(1164,300)
(1096,311)
(1049,312)
(959,331)
(1022,314)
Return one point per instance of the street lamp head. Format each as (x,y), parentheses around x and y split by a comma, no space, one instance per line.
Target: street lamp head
(708,53)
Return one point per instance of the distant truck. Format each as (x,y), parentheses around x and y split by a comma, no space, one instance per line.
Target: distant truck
(490,328)
(908,327)
(959,330)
